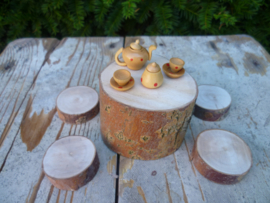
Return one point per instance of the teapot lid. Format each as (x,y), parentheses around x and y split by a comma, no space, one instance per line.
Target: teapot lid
(136,45)
(153,67)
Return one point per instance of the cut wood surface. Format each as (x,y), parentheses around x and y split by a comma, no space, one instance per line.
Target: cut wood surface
(213,103)
(71,162)
(224,61)
(75,61)
(76,105)
(172,94)
(237,64)
(221,156)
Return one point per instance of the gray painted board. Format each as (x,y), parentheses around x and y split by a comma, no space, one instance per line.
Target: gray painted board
(238,64)
(75,61)
(20,64)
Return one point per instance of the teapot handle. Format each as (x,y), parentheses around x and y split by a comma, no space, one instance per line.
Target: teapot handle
(117,59)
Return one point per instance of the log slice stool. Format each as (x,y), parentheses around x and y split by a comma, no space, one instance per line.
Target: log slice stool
(221,156)
(71,162)
(76,105)
(213,103)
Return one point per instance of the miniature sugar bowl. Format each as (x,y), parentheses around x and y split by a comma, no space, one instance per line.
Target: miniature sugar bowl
(135,56)
(152,76)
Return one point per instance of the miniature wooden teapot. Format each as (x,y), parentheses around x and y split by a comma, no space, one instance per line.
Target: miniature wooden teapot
(135,56)
(152,76)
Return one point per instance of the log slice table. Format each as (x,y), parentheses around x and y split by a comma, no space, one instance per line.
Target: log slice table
(146,123)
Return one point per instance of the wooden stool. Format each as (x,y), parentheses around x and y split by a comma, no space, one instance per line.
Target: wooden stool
(76,105)
(144,123)
(213,103)
(221,156)
(71,162)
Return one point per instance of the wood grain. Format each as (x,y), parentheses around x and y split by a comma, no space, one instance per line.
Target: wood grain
(75,61)
(220,61)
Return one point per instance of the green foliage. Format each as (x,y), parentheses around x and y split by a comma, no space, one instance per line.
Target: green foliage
(62,18)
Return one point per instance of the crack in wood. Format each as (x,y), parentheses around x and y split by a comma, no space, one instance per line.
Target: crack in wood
(168,188)
(140,191)
(36,188)
(50,194)
(178,172)
(58,196)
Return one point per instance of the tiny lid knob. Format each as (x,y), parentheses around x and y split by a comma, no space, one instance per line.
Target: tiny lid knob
(136,45)
(153,67)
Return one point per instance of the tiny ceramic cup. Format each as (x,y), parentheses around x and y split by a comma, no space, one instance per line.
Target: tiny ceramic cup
(121,76)
(176,64)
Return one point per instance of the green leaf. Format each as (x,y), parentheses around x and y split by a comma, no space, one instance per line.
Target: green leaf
(206,14)
(163,17)
(114,21)
(100,11)
(129,8)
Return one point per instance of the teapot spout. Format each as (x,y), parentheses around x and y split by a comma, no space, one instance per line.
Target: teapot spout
(151,48)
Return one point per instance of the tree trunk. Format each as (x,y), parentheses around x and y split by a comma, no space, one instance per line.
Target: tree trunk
(146,123)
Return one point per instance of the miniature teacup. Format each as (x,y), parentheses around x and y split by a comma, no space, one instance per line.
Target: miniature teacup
(176,64)
(121,76)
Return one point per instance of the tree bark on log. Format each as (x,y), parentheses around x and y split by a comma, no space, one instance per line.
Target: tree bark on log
(140,134)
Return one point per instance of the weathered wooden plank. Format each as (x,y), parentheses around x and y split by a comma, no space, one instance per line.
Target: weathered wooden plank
(75,61)
(238,64)
(20,64)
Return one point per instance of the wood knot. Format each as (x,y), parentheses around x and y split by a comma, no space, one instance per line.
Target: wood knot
(8,65)
(112,45)
(255,63)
